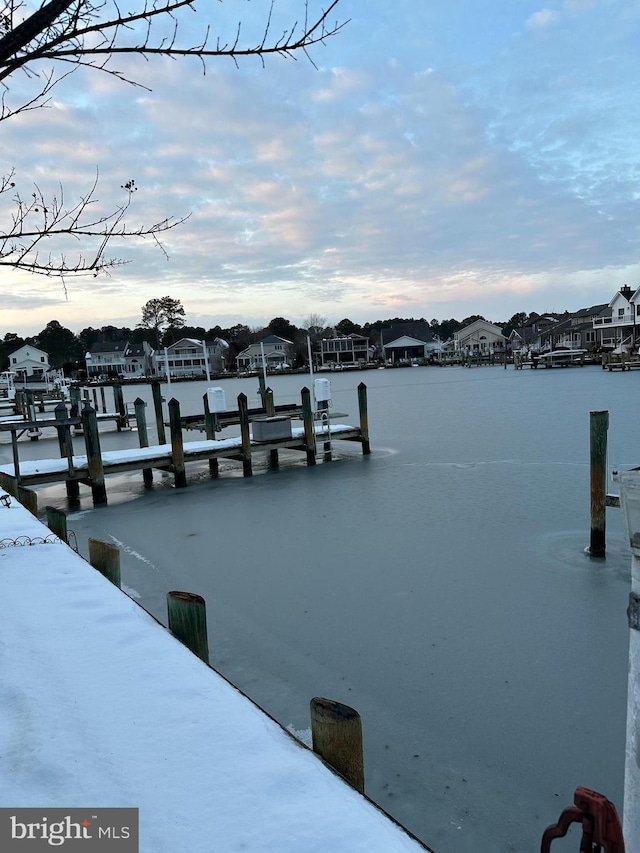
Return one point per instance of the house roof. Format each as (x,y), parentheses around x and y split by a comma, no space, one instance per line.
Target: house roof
(274,339)
(29,347)
(109,346)
(419,330)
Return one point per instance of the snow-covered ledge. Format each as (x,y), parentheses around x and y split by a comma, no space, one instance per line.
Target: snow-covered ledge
(103,707)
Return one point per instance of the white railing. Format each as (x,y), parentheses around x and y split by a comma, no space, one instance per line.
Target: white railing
(627,320)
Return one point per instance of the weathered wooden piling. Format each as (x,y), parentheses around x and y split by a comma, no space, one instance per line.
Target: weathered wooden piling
(143,437)
(187,620)
(94,391)
(599,424)
(364,418)
(243,412)
(270,409)
(210,432)
(65,443)
(118,399)
(336,732)
(309,427)
(177,446)
(29,499)
(94,455)
(57,523)
(105,557)
(103,400)
(156,392)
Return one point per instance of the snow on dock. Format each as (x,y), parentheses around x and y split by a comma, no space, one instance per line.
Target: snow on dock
(103,707)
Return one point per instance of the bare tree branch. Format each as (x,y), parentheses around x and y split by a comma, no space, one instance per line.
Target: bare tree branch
(90,34)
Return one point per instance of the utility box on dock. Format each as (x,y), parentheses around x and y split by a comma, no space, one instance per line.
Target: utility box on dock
(322,390)
(216,400)
(271,429)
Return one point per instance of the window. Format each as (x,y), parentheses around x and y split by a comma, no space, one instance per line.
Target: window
(42,358)
(620,313)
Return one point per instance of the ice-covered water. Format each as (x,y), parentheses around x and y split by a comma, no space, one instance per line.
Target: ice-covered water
(438,586)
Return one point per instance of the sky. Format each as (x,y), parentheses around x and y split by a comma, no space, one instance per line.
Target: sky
(437,160)
(174,740)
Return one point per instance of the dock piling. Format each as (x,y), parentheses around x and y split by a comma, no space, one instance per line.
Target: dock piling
(187,620)
(270,409)
(243,411)
(57,523)
(336,732)
(106,559)
(94,455)
(177,447)
(157,407)
(364,418)
(143,437)
(65,443)
(309,428)
(598,426)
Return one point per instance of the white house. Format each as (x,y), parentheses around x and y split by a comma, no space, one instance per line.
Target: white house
(189,357)
(107,359)
(28,361)
(479,336)
(408,341)
(278,352)
(618,329)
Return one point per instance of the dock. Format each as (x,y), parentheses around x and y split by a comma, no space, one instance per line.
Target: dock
(264,430)
(149,725)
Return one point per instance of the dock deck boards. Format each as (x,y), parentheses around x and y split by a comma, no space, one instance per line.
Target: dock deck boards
(159,456)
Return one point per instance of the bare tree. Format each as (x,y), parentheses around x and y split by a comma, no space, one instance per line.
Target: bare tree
(62,35)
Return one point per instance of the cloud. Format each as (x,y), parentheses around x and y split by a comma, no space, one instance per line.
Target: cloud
(543,19)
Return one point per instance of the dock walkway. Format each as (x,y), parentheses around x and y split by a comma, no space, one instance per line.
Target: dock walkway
(158,456)
(122,714)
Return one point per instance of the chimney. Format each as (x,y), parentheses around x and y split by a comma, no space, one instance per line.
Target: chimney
(626,292)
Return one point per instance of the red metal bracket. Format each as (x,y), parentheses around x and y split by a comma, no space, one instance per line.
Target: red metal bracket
(601,828)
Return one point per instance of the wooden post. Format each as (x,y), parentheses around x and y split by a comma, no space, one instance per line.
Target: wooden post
(309,428)
(143,438)
(187,619)
(364,418)
(157,406)
(270,410)
(65,443)
(177,448)
(57,523)
(210,432)
(29,499)
(118,399)
(599,424)
(16,457)
(336,732)
(94,391)
(103,400)
(243,411)
(106,559)
(94,455)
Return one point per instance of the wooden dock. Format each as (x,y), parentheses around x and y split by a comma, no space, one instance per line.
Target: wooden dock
(260,433)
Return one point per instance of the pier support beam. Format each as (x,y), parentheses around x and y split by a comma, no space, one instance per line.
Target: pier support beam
(336,732)
(177,447)
(309,428)
(143,438)
(364,418)
(157,407)
(65,444)
(94,455)
(243,411)
(210,432)
(187,619)
(599,424)
(270,409)
(106,559)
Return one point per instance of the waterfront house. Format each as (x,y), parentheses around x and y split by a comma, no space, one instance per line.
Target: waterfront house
(480,336)
(404,342)
(577,330)
(107,360)
(278,353)
(138,360)
(616,328)
(345,351)
(28,361)
(190,357)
